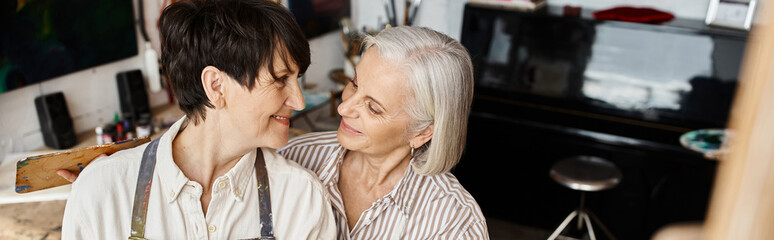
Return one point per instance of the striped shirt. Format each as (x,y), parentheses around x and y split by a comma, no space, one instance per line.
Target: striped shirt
(418,207)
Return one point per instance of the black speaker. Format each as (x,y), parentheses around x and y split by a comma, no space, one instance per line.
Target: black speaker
(132,95)
(55,122)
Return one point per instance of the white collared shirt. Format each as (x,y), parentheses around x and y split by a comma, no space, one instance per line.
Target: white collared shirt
(100,204)
(418,207)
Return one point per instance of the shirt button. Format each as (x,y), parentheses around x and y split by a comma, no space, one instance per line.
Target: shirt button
(211,228)
(238,192)
(221,184)
(171,194)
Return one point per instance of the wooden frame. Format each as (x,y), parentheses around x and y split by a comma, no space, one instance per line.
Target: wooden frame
(742,204)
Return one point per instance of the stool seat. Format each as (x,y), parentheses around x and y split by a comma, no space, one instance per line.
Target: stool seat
(586,173)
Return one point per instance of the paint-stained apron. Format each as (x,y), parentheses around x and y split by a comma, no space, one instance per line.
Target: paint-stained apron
(145,179)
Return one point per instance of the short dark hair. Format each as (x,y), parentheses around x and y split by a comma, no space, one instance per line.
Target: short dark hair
(236,36)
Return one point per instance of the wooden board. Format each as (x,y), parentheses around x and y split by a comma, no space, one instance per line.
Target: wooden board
(35,173)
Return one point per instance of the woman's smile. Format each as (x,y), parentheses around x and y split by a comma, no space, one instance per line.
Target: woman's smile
(344,126)
(284,120)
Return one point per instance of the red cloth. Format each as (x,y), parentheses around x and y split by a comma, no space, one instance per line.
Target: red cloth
(633,14)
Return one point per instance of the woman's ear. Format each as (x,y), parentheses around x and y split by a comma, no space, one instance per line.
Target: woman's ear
(422,137)
(212,82)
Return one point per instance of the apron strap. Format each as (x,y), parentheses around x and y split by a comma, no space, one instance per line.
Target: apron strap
(145,180)
(142,191)
(264,197)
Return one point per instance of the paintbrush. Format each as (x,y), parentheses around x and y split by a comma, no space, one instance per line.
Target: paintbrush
(394,21)
(387,11)
(406,12)
(414,10)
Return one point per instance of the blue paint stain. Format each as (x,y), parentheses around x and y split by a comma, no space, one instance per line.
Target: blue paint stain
(19,165)
(127,140)
(24,177)
(80,166)
(22,188)
(24,162)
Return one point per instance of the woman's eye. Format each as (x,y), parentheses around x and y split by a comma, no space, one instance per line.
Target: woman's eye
(372,109)
(282,79)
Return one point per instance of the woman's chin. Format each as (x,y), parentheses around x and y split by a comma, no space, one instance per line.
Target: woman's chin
(347,141)
(278,141)
(276,138)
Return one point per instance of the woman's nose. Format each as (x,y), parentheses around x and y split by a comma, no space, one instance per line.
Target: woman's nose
(347,107)
(296,99)
(348,91)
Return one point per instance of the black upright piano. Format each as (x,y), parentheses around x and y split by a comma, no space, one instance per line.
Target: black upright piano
(550,86)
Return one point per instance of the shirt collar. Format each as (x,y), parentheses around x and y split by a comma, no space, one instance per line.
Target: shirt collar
(243,173)
(401,195)
(329,174)
(172,179)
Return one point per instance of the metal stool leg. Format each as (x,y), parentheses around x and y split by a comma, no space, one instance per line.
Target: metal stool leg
(563,225)
(589,228)
(601,225)
(581,210)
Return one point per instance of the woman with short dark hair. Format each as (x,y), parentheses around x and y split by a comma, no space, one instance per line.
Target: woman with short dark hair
(233,66)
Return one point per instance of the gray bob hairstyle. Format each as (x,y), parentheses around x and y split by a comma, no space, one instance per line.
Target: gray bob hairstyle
(440,76)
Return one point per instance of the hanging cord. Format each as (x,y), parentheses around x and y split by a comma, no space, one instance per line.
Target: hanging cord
(141,15)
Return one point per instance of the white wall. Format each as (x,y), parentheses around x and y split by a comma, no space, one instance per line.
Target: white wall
(92,99)
(446,15)
(92,94)
(327,53)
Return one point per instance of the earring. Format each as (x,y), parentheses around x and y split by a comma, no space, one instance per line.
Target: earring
(412,150)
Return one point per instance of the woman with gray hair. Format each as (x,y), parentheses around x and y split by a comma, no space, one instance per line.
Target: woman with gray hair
(403,127)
